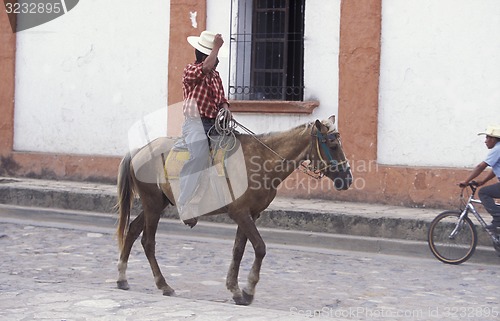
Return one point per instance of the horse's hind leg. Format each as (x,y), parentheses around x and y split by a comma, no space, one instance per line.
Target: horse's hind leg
(149,243)
(133,233)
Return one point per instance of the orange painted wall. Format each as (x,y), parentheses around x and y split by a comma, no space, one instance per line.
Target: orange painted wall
(83,167)
(7,70)
(14,163)
(181,53)
(359,64)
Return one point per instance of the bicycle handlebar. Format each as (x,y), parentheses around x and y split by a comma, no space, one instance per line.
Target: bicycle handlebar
(473,186)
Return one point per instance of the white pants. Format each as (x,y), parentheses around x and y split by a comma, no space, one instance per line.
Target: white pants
(197,144)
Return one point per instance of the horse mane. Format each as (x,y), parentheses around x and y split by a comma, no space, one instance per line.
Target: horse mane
(304,127)
(328,123)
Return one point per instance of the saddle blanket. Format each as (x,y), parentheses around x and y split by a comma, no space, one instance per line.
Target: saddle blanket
(177,157)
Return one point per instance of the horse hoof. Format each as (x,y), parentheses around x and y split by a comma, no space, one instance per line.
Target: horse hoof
(123,285)
(248,297)
(244,299)
(239,300)
(169,292)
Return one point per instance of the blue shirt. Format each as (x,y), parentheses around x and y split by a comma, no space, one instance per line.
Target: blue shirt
(493,159)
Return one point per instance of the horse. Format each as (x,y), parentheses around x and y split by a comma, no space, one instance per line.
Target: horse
(314,147)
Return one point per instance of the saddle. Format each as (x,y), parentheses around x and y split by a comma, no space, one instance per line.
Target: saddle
(222,183)
(179,155)
(221,148)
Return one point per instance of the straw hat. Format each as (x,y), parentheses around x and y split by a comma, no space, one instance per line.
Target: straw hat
(204,43)
(493,131)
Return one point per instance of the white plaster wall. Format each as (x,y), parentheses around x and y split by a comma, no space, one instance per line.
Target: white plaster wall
(439,81)
(320,62)
(84,79)
(218,21)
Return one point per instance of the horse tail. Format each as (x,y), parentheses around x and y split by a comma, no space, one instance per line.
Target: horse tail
(125,198)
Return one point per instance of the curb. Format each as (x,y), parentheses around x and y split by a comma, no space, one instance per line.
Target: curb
(104,223)
(102,199)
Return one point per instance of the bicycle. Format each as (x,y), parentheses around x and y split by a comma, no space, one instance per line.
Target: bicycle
(452,236)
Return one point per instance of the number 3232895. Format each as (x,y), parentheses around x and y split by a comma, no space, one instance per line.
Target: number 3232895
(33,7)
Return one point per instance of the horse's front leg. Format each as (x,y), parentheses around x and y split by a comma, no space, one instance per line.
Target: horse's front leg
(232,275)
(149,244)
(133,233)
(247,226)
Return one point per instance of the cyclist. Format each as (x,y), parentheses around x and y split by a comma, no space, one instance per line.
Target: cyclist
(488,193)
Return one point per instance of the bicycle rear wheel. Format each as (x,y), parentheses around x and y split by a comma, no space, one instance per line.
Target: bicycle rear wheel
(451,243)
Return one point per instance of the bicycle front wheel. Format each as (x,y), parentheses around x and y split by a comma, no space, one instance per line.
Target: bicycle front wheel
(452,241)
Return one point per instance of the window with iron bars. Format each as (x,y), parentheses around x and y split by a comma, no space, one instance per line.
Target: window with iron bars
(267,50)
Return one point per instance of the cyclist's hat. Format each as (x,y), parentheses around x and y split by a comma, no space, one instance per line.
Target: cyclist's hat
(493,131)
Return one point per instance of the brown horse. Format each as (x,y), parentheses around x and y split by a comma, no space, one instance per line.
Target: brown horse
(269,159)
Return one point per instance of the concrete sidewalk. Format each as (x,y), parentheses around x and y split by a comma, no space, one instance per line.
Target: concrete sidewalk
(349,226)
(312,215)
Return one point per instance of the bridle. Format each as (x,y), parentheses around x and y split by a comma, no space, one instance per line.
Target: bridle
(321,146)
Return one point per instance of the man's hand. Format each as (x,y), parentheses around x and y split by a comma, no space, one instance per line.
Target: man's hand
(211,61)
(475,173)
(218,41)
(474,183)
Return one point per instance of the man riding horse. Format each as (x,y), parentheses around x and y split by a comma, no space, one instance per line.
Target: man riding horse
(315,143)
(203,98)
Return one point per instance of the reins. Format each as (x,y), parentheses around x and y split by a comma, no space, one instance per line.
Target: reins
(254,136)
(225,125)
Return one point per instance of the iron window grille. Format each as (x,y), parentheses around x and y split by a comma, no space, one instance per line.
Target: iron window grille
(267,50)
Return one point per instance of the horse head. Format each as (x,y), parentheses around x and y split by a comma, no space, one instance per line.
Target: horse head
(333,163)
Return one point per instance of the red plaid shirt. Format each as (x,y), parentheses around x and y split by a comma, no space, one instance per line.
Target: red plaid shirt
(204,91)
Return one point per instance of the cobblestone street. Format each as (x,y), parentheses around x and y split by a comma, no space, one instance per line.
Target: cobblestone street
(69,273)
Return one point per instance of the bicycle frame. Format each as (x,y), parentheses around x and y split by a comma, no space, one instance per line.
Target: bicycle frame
(469,207)
(458,246)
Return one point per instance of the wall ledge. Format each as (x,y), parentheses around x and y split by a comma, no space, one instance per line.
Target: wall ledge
(273,107)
